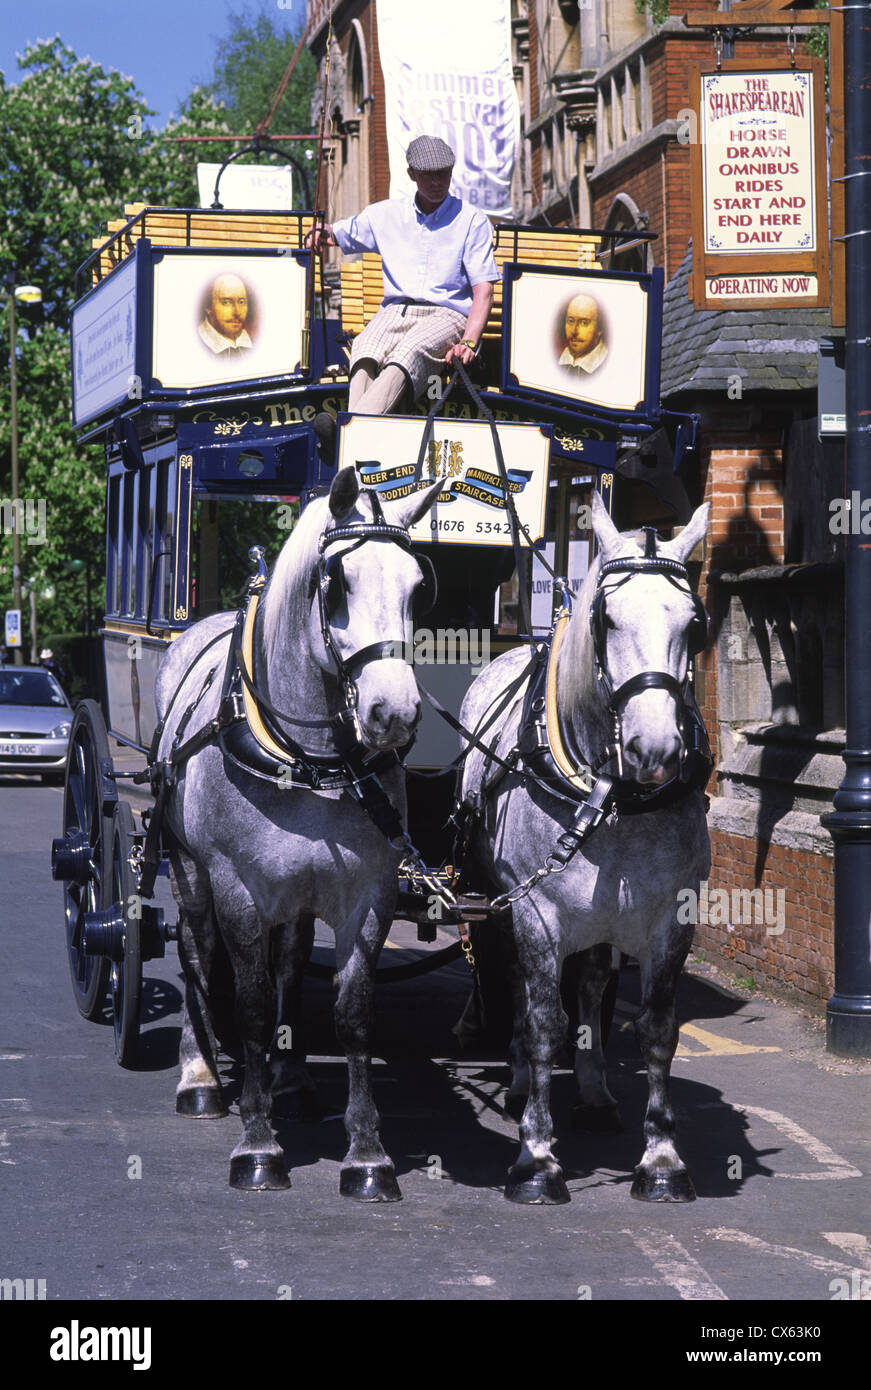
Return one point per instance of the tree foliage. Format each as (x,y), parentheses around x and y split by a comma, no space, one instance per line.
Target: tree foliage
(250,62)
(77,147)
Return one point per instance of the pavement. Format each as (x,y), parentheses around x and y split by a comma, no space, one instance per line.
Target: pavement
(106,1194)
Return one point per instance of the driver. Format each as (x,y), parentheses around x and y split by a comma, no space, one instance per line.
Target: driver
(439,272)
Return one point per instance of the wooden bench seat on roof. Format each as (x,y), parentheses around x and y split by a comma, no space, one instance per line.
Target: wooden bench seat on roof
(363,286)
(176,227)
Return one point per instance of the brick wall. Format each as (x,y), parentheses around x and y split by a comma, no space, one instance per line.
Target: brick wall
(800,959)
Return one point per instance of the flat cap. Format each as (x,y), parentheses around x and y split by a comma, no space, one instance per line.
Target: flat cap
(427,154)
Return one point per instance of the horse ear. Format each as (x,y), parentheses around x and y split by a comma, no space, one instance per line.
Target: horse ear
(344,491)
(683,545)
(410,509)
(604,530)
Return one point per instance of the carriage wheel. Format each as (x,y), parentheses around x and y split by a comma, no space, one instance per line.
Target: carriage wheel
(82,858)
(125,974)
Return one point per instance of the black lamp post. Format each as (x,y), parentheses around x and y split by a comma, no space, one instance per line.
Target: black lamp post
(848,1012)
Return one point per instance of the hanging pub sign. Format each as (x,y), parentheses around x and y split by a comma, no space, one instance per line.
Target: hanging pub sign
(759,189)
(177,322)
(588,338)
(470,509)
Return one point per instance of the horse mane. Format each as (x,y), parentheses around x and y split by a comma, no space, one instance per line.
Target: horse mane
(288,593)
(578,687)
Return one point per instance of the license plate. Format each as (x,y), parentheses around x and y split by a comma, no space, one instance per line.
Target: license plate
(24,749)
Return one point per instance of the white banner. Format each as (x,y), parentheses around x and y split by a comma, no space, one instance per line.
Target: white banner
(447,72)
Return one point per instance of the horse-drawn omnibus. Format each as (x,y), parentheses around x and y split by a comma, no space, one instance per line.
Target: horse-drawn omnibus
(213,460)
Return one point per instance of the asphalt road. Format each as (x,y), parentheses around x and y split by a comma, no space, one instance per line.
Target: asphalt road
(106,1194)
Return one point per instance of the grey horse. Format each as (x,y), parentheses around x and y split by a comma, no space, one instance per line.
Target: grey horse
(621,888)
(254,862)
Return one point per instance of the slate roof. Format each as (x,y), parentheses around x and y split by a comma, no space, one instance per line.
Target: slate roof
(770,349)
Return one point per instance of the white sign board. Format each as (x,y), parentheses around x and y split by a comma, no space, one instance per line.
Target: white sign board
(448,73)
(268,188)
(735,289)
(756,132)
(104,344)
(470,509)
(222,317)
(13,627)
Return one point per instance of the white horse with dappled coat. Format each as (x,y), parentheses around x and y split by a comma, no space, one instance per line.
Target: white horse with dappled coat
(621,685)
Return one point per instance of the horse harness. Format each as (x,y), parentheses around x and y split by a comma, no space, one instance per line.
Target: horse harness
(247,726)
(546,753)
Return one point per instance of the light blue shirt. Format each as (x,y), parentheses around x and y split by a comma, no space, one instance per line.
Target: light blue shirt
(434,257)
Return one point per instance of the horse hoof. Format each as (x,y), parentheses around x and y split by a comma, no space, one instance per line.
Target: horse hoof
(258,1173)
(663,1185)
(201,1103)
(370,1183)
(597,1119)
(301,1107)
(542,1189)
(514,1107)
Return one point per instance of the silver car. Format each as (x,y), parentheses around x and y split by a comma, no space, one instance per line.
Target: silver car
(35,721)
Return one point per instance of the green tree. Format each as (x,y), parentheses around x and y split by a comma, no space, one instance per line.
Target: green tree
(76,148)
(250,62)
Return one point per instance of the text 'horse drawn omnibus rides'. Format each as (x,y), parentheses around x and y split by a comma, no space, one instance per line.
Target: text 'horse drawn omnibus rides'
(282,714)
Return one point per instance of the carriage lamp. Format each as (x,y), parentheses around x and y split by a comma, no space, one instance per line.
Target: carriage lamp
(250,465)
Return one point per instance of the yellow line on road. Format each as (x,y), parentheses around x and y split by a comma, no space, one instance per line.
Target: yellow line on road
(714,1045)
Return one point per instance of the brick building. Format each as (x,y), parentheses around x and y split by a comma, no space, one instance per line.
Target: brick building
(603,96)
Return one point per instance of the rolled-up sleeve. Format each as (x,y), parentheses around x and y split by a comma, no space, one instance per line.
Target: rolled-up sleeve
(478,260)
(355,233)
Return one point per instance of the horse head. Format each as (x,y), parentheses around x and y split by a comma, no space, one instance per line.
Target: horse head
(366,588)
(645,625)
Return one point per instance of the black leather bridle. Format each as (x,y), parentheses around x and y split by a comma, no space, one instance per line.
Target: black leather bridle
(330,583)
(697,637)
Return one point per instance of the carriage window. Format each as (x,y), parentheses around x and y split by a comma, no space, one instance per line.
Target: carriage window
(128,544)
(164,510)
(223,531)
(113,567)
(144,538)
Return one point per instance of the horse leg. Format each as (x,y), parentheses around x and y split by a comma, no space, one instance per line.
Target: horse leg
(257,1162)
(596,1109)
(661,1175)
(367,1172)
(293,1091)
(536,1177)
(198,1094)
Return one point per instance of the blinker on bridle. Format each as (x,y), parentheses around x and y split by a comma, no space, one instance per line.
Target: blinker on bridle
(329,580)
(676,572)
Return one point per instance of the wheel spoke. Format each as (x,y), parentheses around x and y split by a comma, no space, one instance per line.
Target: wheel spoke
(75,790)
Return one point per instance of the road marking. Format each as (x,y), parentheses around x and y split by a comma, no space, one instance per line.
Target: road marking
(14,1105)
(715,1045)
(837,1167)
(13,1056)
(676,1266)
(786,1252)
(4,1144)
(851,1244)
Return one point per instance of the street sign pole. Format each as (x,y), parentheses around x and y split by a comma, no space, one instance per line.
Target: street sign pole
(848,1012)
(16,538)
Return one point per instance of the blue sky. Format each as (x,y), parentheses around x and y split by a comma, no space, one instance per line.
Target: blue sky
(166,46)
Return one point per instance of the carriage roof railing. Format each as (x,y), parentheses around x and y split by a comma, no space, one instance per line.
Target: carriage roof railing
(203,227)
(569,248)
